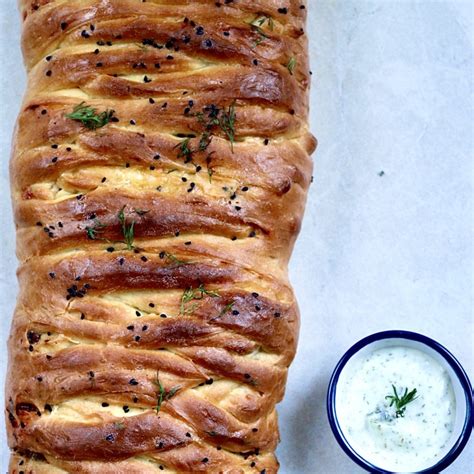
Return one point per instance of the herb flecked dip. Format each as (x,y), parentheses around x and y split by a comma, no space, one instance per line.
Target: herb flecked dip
(396,408)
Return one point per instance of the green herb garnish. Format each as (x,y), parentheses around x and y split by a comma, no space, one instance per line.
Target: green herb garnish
(172,258)
(257,25)
(226,308)
(89,117)
(163,395)
(291,65)
(93,231)
(127,229)
(140,212)
(184,151)
(194,294)
(401,402)
(210,119)
(227,123)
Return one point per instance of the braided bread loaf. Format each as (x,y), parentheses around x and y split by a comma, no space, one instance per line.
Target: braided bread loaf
(159,176)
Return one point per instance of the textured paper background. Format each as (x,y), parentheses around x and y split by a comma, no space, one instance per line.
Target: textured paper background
(392,92)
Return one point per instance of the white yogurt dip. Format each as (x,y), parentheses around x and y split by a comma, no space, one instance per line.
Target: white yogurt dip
(412,439)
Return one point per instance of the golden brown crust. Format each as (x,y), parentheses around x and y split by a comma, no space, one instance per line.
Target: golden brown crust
(165,348)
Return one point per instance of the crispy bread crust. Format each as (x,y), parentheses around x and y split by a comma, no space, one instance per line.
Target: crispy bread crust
(166,351)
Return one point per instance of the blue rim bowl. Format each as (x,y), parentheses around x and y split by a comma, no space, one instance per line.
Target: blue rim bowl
(456,367)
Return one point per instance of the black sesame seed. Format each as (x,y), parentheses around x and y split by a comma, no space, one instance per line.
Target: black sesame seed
(126,409)
(63,25)
(33,337)
(109,437)
(110,249)
(133,382)
(105,404)
(283,11)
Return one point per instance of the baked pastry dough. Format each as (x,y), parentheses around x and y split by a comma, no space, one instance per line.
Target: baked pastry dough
(159,176)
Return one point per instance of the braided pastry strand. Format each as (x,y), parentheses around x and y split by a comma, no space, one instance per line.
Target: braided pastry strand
(159,175)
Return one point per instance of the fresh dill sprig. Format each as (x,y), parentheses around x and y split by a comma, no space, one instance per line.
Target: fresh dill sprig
(291,65)
(257,25)
(401,402)
(163,395)
(128,230)
(227,308)
(224,310)
(210,119)
(140,212)
(93,231)
(174,259)
(194,294)
(184,151)
(89,117)
(227,123)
